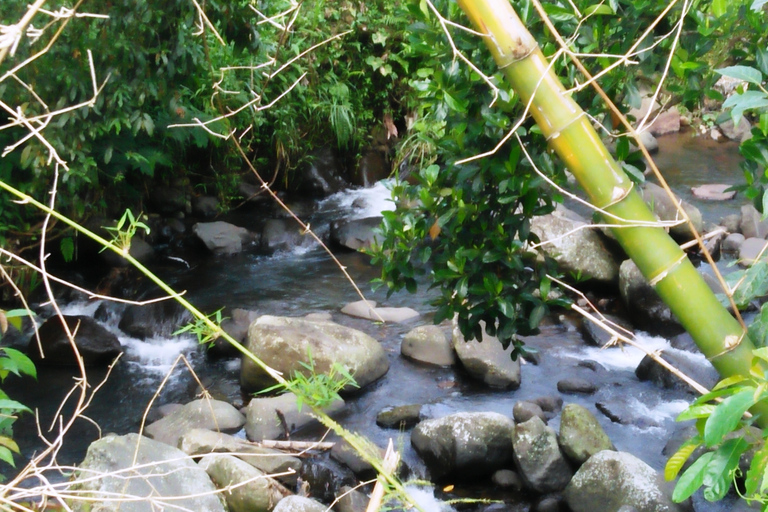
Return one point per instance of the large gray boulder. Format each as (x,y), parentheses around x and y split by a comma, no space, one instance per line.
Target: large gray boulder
(281,465)
(355,234)
(159,477)
(222,238)
(428,344)
(205,413)
(666,210)
(538,457)
(581,435)
(247,488)
(695,366)
(577,248)
(95,344)
(487,360)
(610,480)
(284,343)
(647,310)
(270,418)
(464,445)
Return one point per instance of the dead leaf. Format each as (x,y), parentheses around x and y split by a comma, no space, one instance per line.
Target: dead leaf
(3,322)
(389,124)
(434,231)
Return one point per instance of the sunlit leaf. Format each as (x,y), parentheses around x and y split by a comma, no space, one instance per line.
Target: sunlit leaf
(691,479)
(677,461)
(726,416)
(746,73)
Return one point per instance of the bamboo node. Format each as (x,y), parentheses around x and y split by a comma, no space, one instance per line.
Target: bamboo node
(619,194)
(656,280)
(519,52)
(731,342)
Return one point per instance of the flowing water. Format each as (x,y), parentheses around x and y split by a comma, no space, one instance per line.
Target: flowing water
(306,281)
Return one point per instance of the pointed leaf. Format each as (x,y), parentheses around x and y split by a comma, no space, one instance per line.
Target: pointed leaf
(757,474)
(719,472)
(7,456)
(691,479)
(727,416)
(677,461)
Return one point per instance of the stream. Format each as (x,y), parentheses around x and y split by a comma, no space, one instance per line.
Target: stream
(306,281)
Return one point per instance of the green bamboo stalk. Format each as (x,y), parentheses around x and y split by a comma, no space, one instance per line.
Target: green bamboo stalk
(569,132)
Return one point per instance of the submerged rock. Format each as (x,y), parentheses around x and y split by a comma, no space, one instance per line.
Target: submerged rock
(283,343)
(695,366)
(120,473)
(464,445)
(155,319)
(355,234)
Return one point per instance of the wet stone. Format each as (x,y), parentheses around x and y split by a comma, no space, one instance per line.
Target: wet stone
(400,417)
(576,385)
(507,479)
(549,403)
(523,411)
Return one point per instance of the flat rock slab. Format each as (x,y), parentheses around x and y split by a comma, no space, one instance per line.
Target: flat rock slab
(713,192)
(369,311)
(750,250)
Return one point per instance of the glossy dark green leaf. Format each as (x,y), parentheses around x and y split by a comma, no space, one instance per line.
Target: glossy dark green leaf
(727,416)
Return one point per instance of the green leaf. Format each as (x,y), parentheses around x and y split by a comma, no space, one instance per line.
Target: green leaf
(16,362)
(691,479)
(748,100)
(719,472)
(746,73)
(727,416)
(67,247)
(719,7)
(677,461)
(757,474)
(598,9)
(6,404)
(7,456)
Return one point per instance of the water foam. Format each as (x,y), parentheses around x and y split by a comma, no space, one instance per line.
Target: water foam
(625,357)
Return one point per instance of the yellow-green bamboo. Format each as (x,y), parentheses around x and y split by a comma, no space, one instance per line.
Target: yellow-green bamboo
(570,133)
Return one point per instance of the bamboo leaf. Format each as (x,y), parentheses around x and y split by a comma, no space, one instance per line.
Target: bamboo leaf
(726,416)
(691,479)
(676,461)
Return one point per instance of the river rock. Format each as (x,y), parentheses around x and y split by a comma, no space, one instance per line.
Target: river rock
(272,462)
(346,455)
(283,343)
(96,345)
(264,416)
(733,243)
(325,477)
(139,250)
(154,319)
(369,311)
(428,344)
(581,435)
(299,504)
(204,413)
(400,417)
(752,224)
(666,210)
(464,445)
(349,499)
(738,132)
(577,385)
(507,479)
(283,235)
(524,410)
(750,250)
(538,457)
(236,325)
(487,360)
(713,192)
(321,175)
(695,366)
(355,234)
(647,310)
(610,480)
(206,207)
(596,336)
(109,475)
(222,238)
(580,252)
(252,490)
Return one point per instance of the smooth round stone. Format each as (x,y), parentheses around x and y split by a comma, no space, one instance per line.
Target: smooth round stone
(713,192)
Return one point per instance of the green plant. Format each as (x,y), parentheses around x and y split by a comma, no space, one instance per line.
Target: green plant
(11,362)
(319,389)
(124,231)
(206,331)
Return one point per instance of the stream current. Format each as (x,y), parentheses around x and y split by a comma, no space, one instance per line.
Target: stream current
(306,281)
